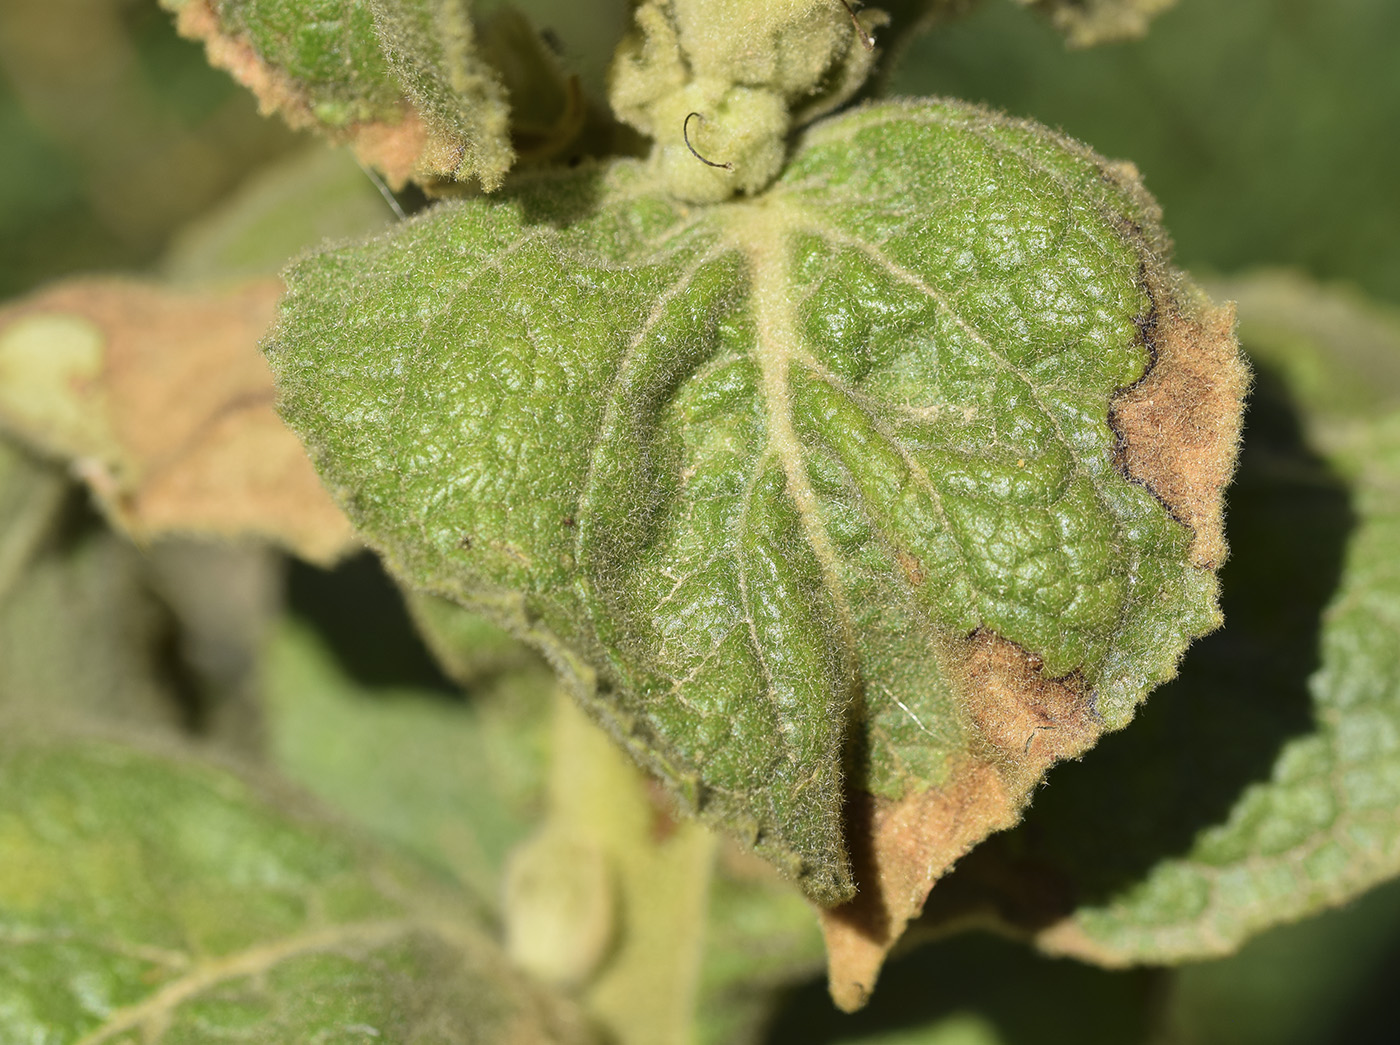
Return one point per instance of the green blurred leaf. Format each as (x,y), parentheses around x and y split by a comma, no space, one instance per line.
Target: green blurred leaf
(155,899)
(750,475)
(81,634)
(290,206)
(160,639)
(1261,785)
(1336,350)
(760,937)
(468,646)
(31,495)
(1089,22)
(1330,978)
(609,896)
(1265,127)
(459,782)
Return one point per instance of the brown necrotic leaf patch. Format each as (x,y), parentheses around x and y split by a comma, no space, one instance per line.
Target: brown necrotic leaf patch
(165,405)
(1179,427)
(1023,723)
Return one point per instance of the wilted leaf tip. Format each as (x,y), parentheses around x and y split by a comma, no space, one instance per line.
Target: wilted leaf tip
(900,847)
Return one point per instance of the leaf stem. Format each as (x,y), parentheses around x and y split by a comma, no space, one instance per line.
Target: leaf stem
(646,991)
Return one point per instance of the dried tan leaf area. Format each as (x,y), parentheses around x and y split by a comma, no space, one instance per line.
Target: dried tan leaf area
(1180,425)
(165,406)
(901,847)
(401,150)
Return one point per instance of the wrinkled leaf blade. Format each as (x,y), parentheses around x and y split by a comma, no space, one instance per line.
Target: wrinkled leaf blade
(749,475)
(1261,786)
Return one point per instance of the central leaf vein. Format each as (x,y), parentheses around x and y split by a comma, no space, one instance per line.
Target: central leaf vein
(776,342)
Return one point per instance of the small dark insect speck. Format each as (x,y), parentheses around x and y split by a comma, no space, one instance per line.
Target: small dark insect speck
(685,133)
(465,542)
(569,521)
(1035,733)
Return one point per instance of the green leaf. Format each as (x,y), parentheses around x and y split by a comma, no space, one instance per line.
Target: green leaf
(467,646)
(159,639)
(458,783)
(1261,786)
(285,208)
(151,898)
(401,80)
(81,634)
(760,938)
(1325,979)
(751,475)
(326,49)
(431,47)
(31,494)
(609,896)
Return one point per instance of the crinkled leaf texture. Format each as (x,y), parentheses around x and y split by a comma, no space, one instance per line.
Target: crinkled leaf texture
(1262,785)
(810,492)
(151,898)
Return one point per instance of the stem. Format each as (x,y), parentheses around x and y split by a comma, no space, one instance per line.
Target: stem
(35,498)
(645,992)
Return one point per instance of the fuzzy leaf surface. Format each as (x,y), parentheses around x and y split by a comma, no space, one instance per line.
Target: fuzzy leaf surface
(750,475)
(400,80)
(1261,786)
(145,898)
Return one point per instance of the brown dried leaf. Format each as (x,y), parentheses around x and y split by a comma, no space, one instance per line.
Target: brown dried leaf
(901,847)
(1180,425)
(164,404)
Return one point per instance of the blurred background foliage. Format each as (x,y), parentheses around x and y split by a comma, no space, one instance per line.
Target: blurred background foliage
(1266,128)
